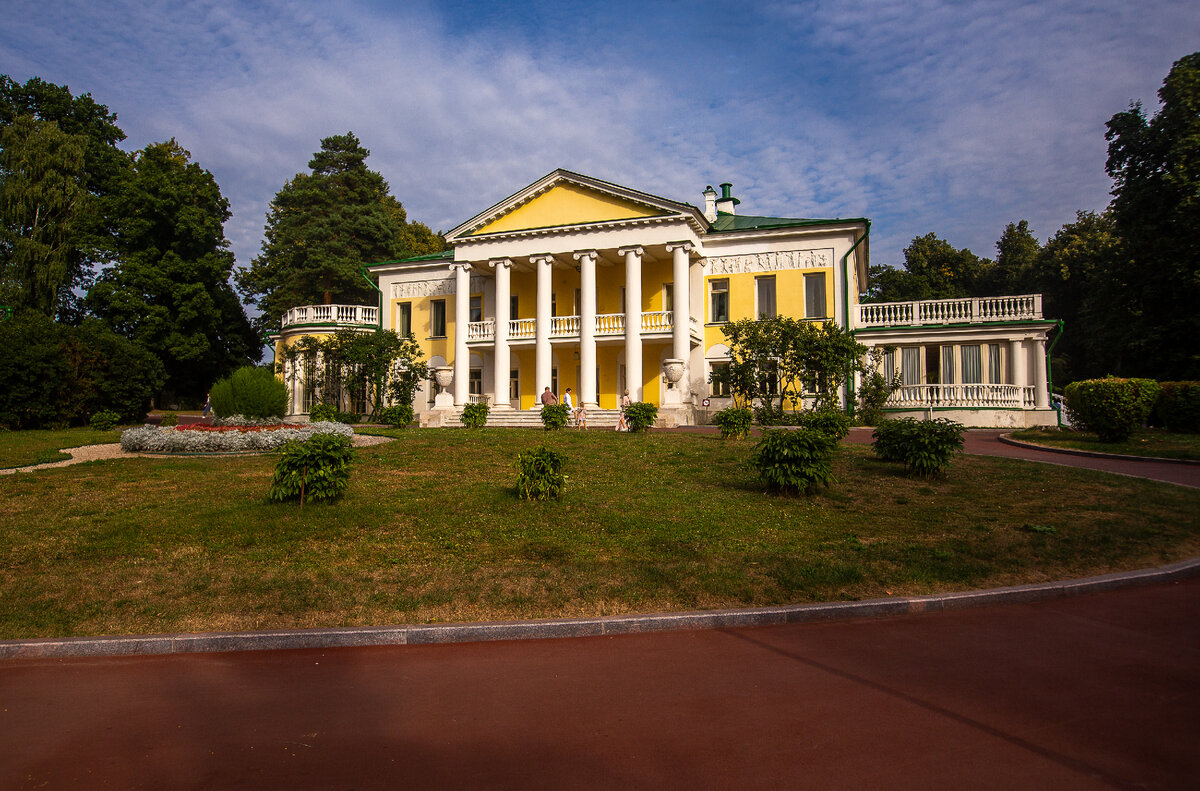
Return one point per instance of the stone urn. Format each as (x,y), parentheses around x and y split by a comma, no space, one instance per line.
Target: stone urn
(444,376)
(673,370)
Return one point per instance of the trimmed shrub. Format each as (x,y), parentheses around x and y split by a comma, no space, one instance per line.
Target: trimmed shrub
(734,422)
(159,439)
(1112,408)
(475,415)
(1178,407)
(771,415)
(104,420)
(640,416)
(540,473)
(323,413)
(346,417)
(250,391)
(317,469)
(398,416)
(555,416)
(925,447)
(827,421)
(793,461)
(169,419)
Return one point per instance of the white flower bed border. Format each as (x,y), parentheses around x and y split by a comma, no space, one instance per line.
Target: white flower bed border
(156,439)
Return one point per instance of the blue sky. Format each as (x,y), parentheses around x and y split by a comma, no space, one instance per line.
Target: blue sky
(955,118)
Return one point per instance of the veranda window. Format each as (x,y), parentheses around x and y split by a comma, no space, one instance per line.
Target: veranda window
(995,364)
(910,365)
(972,365)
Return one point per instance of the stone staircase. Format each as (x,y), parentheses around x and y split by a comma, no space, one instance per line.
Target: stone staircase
(532,418)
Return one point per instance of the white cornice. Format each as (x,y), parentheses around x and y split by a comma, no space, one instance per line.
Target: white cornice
(566,230)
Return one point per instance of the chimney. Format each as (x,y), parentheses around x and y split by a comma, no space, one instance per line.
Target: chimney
(710,204)
(726,203)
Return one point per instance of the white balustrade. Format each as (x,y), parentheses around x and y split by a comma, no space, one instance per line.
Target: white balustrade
(657,321)
(995,396)
(350,315)
(481,330)
(607,324)
(521,328)
(610,324)
(564,327)
(974,310)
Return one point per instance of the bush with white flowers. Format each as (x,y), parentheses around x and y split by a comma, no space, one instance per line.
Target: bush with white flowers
(154,439)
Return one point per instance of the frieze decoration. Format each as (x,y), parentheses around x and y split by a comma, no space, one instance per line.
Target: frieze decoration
(423,288)
(769,262)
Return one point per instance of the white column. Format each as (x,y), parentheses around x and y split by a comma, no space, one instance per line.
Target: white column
(500,358)
(633,321)
(1016,362)
(681,320)
(462,317)
(1041,388)
(541,351)
(587,326)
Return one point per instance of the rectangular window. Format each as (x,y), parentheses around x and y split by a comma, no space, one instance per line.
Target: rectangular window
(622,299)
(995,364)
(910,365)
(475,381)
(437,318)
(476,308)
(814,296)
(972,367)
(718,301)
(404,319)
(554,381)
(770,377)
(553,303)
(578,303)
(947,365)
(765,297)
(514,385)
(718,389)
(514,311)
(668,296)
(889,364)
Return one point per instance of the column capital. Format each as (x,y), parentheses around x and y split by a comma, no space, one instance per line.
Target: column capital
(687,247)
(582,254)
(541,258)
(498,262)
(635,249)
(461,265)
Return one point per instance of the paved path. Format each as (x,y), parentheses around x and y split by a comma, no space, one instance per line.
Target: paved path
(986,442)
(1093,692)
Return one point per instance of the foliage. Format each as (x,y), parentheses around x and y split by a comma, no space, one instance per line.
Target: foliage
(250,391)
(735,422)
(475,415)
(1153,287)
(1113,408)
(317,469)
(925,447)
(640,416)
(791,461)
(189,439)
(322,227)
(168,290)
(169,419)
(353,369)
(104,420)
(399,416)
(322,412)
(875,388)
(830,422)
(784,358)
(540,473)
(58,375)
(933,269)
(555,416)
(1178,406)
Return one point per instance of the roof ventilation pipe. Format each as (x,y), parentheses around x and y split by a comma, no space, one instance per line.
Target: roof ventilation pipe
(726,203)
(710,204)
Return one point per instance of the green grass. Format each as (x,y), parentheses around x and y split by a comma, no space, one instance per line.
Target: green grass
(22,448)
(430,530)
(1154,442)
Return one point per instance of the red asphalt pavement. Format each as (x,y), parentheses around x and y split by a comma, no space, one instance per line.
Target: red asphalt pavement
(1096,691)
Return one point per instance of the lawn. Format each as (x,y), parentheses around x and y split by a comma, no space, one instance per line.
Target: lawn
(1144,442)
(430,531)
(22,448)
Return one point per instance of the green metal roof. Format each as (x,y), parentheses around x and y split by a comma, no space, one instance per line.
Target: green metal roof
(445,254)
(748,222)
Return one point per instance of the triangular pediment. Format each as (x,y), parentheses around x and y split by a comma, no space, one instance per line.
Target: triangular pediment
(565,199)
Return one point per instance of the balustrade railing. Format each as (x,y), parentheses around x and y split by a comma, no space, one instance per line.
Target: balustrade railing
(610,324)
(996,396)
(607,324)
(481,330)
(658,321)
(352,315)
(564,327)
(972,310)
(519,329)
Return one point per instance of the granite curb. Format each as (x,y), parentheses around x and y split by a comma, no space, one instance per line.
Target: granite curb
(430,634)
(1008,439)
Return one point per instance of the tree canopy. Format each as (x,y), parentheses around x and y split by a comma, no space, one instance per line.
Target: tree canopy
(323,227)
(933,269)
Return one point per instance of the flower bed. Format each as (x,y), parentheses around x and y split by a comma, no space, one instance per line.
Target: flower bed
(223,439)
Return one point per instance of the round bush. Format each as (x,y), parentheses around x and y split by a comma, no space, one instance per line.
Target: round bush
(734,422)
(1178,407)
(793,461)
(1112,408)
(640,416)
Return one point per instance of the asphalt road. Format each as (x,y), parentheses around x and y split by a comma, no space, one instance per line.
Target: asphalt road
(1096,691)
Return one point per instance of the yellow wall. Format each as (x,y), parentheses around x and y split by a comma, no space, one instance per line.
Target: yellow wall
(567,204)
(422,325)
(789,298)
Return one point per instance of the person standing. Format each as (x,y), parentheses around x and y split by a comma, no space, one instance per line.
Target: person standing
(622,423)
(548,398)
(207,404)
